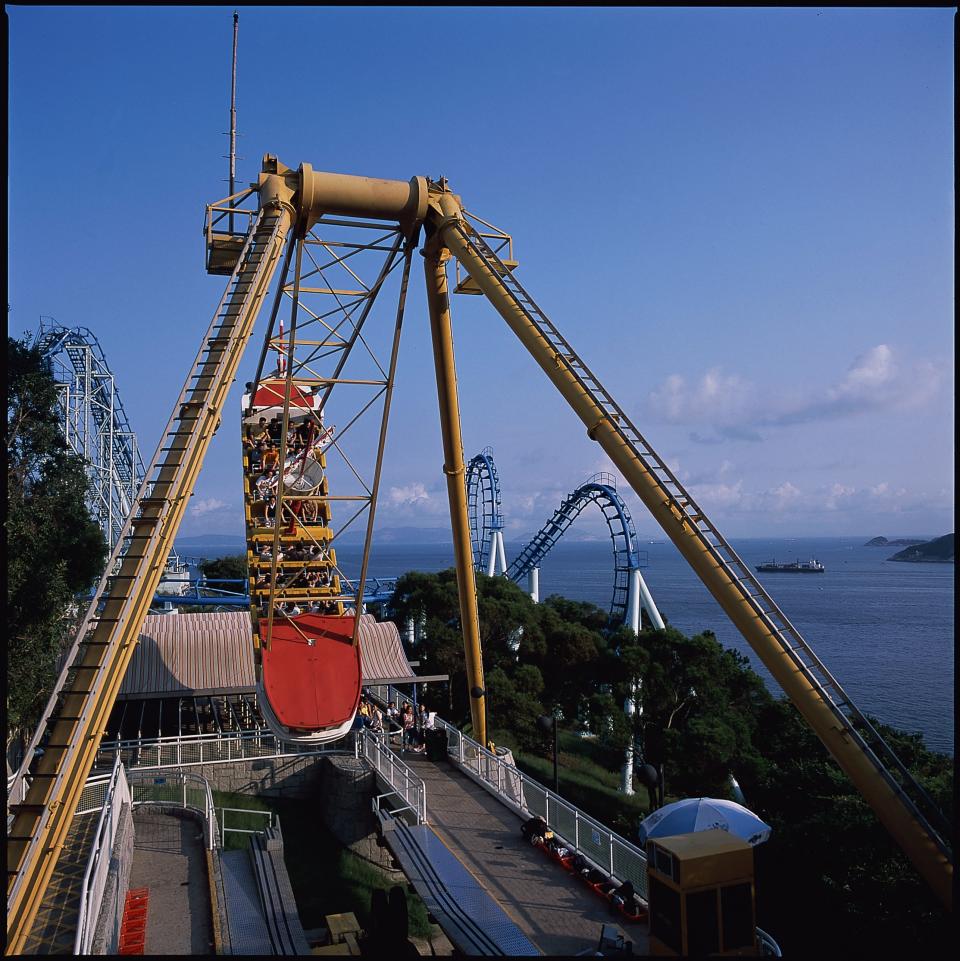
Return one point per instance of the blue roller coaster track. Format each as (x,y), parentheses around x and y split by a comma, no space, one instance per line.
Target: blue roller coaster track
(483,503)
(601,489)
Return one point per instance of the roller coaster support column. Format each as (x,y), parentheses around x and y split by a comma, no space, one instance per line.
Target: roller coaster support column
(498,556)
(435,265)
(533,584)
(640,596)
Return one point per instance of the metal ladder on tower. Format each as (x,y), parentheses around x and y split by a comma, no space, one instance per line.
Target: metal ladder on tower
(77,712)
(689,515)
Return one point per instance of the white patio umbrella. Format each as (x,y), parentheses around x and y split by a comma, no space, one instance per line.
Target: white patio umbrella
(702,814)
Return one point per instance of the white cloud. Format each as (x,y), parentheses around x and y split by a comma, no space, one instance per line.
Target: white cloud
(407,496)
(735,409)
(207,506)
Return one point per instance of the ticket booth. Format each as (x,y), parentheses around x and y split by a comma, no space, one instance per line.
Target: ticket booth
(701,895)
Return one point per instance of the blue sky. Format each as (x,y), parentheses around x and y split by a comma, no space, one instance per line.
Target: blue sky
(742,219)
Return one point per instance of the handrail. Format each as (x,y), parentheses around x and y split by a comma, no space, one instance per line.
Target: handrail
(258,743)
(580,832)
(396,773)
(604,848)
(103,841)
(181,779)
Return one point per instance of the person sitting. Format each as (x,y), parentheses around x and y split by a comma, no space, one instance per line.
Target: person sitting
(260,433)
(294,609)
(265,483)
(623,896)
(256,456)
(534,830)
(271,457)
(376,720)
(270,517)
(309,512)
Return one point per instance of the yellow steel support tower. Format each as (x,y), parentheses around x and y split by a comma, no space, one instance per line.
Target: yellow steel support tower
(78,710)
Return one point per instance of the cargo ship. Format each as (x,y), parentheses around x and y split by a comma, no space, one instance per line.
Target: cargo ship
(307,664)
(812,566)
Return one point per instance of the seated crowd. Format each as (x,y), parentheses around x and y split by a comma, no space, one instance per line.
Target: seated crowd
(296,590)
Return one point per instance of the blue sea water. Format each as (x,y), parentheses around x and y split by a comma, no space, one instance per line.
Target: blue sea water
(883,629)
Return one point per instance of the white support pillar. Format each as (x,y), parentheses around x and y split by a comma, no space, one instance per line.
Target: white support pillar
(492,559)
(647,599)
(633,601)
(501,553)
(533,584)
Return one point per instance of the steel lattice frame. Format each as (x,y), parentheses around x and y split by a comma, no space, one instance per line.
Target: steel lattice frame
(601,490)
(340,334)
(483,502)
(94,422)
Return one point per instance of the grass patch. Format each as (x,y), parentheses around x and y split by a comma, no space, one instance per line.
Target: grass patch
(589,778)
(326,877)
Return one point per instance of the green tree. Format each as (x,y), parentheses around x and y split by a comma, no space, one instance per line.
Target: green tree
(233,567)
(55,550)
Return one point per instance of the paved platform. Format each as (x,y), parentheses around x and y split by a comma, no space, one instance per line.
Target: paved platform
(556,911)
(169,860)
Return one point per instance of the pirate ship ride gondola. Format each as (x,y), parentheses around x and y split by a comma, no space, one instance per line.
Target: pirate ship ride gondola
(308,669)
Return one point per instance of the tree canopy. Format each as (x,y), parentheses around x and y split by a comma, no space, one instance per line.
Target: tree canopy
(55,550)
(702,714)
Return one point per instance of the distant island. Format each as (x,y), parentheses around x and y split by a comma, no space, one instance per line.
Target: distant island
(938,551)
(896,542)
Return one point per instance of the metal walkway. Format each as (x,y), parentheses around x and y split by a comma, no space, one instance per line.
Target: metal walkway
(55,927)
(554,910)
(248,927)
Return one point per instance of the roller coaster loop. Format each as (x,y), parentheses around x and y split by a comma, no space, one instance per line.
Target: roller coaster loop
(483,503)
(601,489)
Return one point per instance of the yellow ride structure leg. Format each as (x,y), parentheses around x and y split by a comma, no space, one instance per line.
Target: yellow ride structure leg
(607,426)
(86,690)
(435,267)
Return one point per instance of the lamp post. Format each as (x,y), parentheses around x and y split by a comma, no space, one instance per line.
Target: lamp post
(546,723)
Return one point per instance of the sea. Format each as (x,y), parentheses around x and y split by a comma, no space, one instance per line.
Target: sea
(884,629)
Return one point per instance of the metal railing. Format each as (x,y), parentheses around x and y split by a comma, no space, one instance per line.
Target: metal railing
(603,848)
(178,789)
(179,751)
(117,793)
(406,785)
(224,830)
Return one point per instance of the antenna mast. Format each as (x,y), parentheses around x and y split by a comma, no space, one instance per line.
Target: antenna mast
(233,114)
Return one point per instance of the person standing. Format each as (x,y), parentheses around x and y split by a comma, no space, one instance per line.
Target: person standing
(407,723)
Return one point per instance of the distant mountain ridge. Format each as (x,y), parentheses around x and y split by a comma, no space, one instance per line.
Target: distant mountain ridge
(938,551)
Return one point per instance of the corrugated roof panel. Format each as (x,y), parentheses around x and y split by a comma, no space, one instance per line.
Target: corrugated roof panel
(183,653)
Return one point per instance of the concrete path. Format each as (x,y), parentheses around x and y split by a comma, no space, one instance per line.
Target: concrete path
(169,860)
(556,911)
